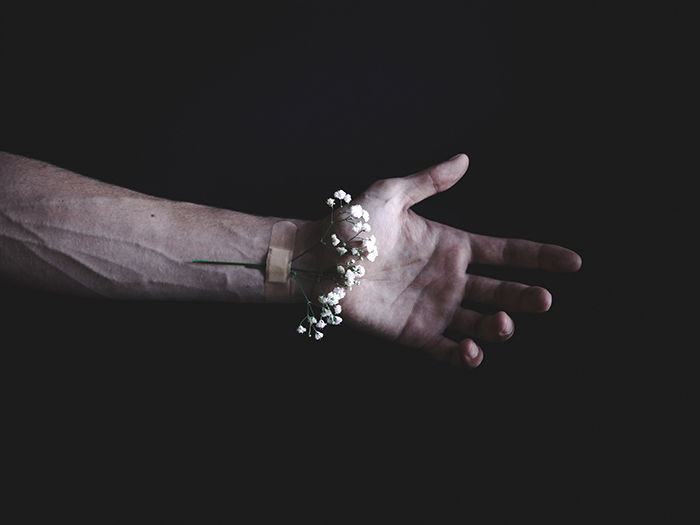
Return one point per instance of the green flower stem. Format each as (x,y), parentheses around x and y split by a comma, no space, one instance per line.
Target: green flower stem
(247,265)
(354,237)
(304,252)
(330,225)
(294,275)
(322,240)
(304,271)
(309,306)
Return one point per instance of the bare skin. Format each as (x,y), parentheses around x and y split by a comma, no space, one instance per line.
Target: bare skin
(412,293)
(65,232)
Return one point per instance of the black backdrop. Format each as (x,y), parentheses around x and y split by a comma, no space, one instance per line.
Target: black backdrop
(266,110)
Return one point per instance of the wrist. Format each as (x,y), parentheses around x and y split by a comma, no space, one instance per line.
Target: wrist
(306,260)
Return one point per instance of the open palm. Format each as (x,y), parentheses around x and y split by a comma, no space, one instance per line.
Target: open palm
(413,292)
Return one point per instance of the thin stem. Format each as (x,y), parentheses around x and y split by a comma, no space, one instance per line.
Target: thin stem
(247,265)
(294,274)
(303,271)
(354,237)
(322,240)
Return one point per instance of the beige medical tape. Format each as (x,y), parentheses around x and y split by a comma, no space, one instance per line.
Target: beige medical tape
(279,261)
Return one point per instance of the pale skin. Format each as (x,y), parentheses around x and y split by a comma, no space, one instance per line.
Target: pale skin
(64,232)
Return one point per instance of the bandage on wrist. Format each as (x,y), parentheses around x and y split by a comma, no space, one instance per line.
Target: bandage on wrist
(278,286)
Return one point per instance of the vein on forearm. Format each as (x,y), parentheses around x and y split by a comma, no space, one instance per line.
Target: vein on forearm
(62,231)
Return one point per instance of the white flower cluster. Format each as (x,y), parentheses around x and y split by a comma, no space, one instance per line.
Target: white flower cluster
(349,272)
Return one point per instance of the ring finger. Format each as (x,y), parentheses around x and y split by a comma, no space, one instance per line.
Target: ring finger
(493,328)
(514,297)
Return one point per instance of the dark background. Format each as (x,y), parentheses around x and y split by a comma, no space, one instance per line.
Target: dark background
(267,110)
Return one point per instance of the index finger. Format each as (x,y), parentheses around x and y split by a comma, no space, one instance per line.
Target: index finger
(523,254)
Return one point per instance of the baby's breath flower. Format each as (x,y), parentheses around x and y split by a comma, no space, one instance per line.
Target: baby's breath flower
(332,299)
(348,271)
(349,277)
(356,211)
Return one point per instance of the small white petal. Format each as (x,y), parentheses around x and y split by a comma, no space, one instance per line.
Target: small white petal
(365,215)
(301,329)
(334,240)
(337,309)
(356,211)
(318,335)
(340,194)
(340,269)
(330,202)
(341,250)
(347,198)
(321,324)
(369,242)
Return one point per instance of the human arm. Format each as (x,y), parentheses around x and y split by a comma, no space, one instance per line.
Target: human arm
(73,234)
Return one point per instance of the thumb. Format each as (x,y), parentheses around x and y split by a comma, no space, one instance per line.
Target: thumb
(435,179)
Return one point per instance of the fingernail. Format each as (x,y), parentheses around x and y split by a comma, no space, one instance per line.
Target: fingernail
(473,351)
(458,154)
(507,330)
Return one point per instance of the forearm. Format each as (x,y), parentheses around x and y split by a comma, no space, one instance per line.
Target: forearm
(68,233)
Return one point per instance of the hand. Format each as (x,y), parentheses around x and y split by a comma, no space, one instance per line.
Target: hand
(413,291)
